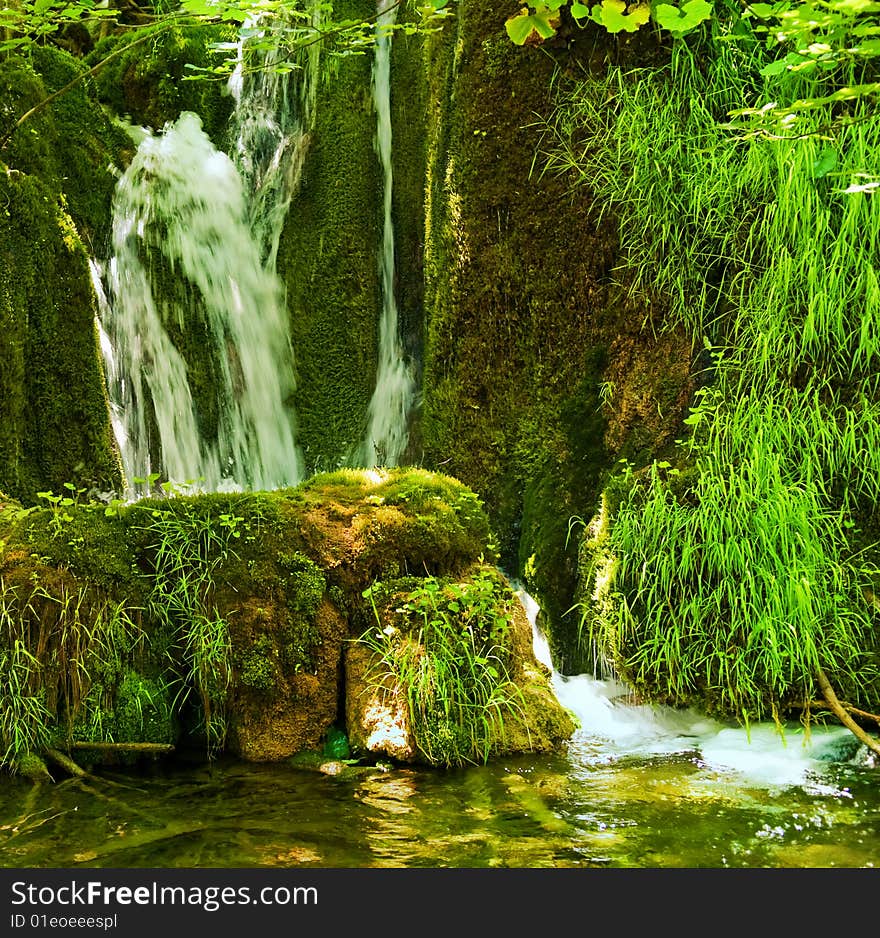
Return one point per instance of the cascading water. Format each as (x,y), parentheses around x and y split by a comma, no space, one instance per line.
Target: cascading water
(272,120)
(387,430)
(614,727)
(195,239)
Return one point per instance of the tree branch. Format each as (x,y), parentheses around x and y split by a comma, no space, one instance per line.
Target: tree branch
(842,715)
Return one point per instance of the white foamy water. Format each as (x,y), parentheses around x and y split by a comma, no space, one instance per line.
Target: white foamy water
(388,416)
(612,727)
(272,122)
(184,252)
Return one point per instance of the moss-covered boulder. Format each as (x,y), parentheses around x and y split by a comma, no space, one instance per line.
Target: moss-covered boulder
(452,677)
(221,621)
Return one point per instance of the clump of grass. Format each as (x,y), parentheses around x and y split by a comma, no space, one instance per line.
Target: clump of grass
(450,656)
(54,647)
(188,547)
(25,722)
(735,587)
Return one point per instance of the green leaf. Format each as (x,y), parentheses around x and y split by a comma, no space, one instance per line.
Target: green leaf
(774,68)
(203,7)
(613,16)
(681,20)
(825,162)
(579,11)
(763,10)
(542,24)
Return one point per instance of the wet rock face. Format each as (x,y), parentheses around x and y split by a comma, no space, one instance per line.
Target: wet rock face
(294,711)
(376,712)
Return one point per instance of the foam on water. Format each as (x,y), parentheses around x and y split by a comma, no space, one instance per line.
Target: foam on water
(613,726)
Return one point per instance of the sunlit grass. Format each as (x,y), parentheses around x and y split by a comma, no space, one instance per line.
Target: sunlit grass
(735,587)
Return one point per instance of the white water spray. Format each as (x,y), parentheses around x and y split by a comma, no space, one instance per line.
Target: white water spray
(180,216)
(273,118)
(614,727)
(388,415)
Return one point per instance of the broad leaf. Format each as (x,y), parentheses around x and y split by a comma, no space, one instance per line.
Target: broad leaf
(683,19)
(825,162)
(541,25)
(613,16)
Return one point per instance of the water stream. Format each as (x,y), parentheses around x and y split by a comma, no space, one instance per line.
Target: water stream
(635,787)
(388,416)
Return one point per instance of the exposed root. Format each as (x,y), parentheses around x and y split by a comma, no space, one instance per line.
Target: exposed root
(842,715)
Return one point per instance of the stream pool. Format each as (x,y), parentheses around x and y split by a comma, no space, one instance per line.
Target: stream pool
(656,789)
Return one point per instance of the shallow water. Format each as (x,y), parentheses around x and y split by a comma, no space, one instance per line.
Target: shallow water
(636,787)
(589,805)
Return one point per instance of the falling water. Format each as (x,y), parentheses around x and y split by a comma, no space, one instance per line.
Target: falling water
(272,120)
(387,431)
(614,727)
(180,214)
(210,224)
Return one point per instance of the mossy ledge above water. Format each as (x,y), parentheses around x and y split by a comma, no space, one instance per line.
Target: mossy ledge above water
(220,622)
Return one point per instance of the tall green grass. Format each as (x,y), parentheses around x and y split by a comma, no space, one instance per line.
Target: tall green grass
(736,579)
(450,657)
(55,648)
(188,545)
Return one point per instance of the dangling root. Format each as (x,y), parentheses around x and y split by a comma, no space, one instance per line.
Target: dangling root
(842,715)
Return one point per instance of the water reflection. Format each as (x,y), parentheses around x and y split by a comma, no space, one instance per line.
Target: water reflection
(576,808)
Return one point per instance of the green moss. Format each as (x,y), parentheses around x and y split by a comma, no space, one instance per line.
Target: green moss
(258,670)
(409,113)
(248,575)
(71,146)
(304,583)
(514,298)
(328,260)
(54,415)
(147,85)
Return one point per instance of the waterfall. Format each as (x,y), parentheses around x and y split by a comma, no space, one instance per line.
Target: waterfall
(387,433)
(613,727)
(195,239)
(272,121)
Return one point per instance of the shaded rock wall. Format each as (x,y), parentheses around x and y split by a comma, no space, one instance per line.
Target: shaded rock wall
(55,190)
(524,325)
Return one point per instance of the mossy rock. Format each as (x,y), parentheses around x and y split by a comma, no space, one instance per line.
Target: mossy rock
(71,145)
(328,258)
(445,674)
(525,332)
(273,579)
(54,414)
(148,84)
